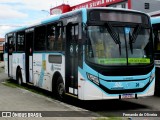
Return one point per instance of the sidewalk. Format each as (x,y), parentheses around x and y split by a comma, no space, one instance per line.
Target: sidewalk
(1,64)
(17,99)
(3,76)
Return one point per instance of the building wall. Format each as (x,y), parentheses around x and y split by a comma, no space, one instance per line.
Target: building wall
(154,5)
(1,48)
(120,5)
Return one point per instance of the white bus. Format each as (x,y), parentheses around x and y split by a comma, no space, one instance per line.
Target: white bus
(90,54)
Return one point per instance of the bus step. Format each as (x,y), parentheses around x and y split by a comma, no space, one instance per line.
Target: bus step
(28,83)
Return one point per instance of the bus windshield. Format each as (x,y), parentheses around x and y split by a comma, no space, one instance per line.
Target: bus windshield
(119,45)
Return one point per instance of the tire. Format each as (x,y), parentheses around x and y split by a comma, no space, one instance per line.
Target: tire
(157,83)
(19,77)
(60,90)
(157,88)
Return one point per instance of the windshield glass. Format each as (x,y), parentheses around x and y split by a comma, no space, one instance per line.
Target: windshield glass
(119,47)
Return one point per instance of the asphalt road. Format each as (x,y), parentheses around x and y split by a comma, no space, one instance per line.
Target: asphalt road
(148,106)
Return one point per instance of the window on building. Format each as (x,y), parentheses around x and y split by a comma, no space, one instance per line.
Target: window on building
(20,41)
(40,39)
(124,5)
(119,6)
(146,5)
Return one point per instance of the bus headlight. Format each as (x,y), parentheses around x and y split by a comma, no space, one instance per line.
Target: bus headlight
(152,77)
(93,78)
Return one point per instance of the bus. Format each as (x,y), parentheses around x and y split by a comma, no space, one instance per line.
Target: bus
(156,31)
(90,54)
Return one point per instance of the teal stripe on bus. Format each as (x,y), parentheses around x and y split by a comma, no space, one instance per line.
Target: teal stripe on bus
(41,78)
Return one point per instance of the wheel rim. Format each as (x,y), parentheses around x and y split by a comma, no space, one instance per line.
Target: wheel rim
(60,90)
(19,80)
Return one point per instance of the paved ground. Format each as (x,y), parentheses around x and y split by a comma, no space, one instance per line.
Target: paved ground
(17,99)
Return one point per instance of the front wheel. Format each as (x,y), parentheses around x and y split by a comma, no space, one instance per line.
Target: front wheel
(60,90)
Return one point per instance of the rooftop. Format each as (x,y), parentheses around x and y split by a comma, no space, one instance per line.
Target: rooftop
(1,39)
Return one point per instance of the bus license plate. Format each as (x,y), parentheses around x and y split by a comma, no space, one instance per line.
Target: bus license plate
(125,96)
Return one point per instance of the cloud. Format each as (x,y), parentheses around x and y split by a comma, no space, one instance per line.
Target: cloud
(24,11)
(29,4)
(4,29)
(7,12)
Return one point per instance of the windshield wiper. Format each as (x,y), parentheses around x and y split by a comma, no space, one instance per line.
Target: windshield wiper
(114,35)
(130,42)
(133,37)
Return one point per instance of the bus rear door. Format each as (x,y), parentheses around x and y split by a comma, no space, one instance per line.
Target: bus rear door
(11,49)
(29,55)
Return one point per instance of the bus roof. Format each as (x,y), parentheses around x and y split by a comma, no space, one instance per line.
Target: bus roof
(155,20)
(16,29)
(44,21)
(57,17)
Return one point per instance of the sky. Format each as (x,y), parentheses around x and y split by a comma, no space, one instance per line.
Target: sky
(17,13)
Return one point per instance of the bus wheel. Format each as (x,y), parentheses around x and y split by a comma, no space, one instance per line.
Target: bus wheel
(60,91)
(19,77)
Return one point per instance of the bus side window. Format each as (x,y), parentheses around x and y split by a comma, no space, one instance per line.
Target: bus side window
(5,47)
(59,38)
(51,41)
(20,41)
(50,37)
(11,45)
(54,38)
(40,39)
(59,41)
(157,40)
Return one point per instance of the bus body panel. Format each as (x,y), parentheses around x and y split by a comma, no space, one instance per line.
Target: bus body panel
(10,66)
(43,70)
(30,69)
(90,91)
(18,61)
(6,62)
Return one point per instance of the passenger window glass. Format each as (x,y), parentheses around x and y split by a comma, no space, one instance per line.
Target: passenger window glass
(11,44)
(54,38)
(157,39)
(20,41)
(40,41)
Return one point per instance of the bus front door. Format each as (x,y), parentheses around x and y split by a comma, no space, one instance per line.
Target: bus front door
(72,59)
(29,57)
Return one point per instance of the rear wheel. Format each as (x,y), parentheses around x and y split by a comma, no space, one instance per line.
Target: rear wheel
(60,90)
(19,77)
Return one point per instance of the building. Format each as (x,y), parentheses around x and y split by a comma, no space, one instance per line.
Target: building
(1,48)
(147,6)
